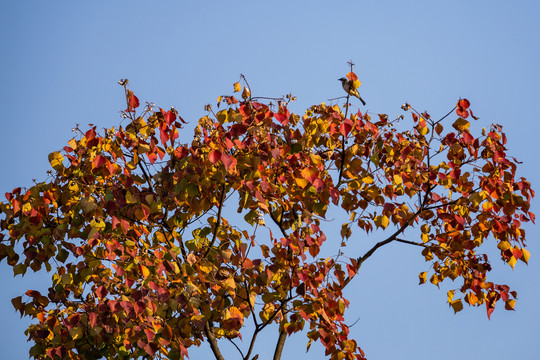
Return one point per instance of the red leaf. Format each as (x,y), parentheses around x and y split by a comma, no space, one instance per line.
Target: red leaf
(90,134)
(462,113)
(468,138)
(464,104)
(318,184)
(345,127)
(98,162)
(133,102)
(125,226)
(229,162)
(282,118)
(181,152)
(335,195)
(517,253)
(152,157)
(175,134)
(35,217)
(93,319)
(214,156)
(163,135)
(170,117)
(101,292)
(149,334)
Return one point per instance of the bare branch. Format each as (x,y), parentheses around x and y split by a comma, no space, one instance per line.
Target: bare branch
(279,345)
(213,342)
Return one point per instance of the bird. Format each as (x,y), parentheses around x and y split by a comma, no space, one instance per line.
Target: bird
(347,86)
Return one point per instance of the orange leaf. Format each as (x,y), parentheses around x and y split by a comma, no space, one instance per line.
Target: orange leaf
(310,174)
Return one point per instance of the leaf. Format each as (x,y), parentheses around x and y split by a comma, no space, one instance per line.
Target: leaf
(367,180)
(346,127)
(310,174)
(439,128)
(282,118)
(461,124)
(237,87)
(526,255)
(98,161)
(229,162)
(133,102)
(509,304)
(56,159)
(457,305)
(170,117)
(423,277)
(144,271)
(214,156)
(464,104)
(382,221)
(101,292)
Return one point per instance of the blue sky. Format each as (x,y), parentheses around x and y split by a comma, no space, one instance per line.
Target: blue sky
(61,62)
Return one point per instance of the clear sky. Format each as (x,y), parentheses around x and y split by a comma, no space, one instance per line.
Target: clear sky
(61,61)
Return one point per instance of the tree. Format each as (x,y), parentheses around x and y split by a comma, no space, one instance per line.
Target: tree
(145,264)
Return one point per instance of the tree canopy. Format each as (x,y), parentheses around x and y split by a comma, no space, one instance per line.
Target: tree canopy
(146,262)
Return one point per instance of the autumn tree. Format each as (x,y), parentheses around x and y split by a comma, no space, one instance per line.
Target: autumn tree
(146,263)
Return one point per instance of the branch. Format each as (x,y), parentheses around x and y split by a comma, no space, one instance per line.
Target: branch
(343,142)
(279,345)
(251,344)
(392,237)
(218,221)
(213,342)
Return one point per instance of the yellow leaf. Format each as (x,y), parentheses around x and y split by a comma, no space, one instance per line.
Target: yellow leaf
(73,144)
(301,182)
(55,158)
(381,221)
(26,208)
(144,271)
(397,179)
(461,124)
(471,298)
(356,84)
(512,262)
(222,116)
(423,277)
(526,255)
(509,305)
(237,87)
(246,93)
(130,199)
(450,295)
(368,180)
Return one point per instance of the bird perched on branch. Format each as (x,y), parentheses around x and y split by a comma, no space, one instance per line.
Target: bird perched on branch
(350,89)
